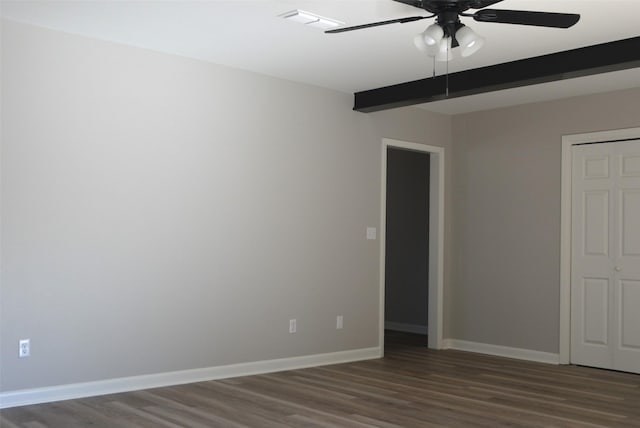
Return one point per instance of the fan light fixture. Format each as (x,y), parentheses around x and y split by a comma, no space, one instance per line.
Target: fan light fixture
(469,41)
(437,43)
(443,51)
(432,35)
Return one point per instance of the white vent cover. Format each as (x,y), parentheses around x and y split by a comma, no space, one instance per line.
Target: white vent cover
(311,19)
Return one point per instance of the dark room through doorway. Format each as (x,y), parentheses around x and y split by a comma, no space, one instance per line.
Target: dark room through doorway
(407,247)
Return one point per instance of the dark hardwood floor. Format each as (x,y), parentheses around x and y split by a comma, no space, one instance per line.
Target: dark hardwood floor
(411,387)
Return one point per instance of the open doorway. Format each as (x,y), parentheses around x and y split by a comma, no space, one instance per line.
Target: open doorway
(428,302)
(407,247)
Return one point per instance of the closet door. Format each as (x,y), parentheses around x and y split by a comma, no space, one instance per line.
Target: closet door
(605,268)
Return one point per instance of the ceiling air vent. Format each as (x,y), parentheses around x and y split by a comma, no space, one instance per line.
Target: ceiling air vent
(311,19)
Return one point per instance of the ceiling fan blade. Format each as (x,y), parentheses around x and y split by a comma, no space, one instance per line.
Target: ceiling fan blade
(377,24)
(481,4)
(522,17)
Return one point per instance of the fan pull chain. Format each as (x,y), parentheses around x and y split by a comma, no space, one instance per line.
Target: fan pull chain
(447,77)
(434,67)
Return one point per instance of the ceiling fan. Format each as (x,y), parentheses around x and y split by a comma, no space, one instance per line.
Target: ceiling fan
(448,32)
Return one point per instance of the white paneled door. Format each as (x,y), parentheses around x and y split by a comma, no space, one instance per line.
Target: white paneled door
(605,256)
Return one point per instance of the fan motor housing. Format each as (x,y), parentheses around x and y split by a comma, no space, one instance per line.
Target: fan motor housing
(439,6)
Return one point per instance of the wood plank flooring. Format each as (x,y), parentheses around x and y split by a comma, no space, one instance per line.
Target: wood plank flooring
(410,387)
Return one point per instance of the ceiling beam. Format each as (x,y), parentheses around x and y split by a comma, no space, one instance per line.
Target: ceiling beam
(596,59)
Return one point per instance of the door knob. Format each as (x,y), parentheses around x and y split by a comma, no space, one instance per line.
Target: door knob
(618,268)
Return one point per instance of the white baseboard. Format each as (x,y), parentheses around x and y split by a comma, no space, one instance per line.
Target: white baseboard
(111,386)
(407,328)
(502,351)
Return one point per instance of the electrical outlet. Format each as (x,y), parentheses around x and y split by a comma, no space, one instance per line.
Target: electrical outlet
(292,326)
(24,349)
(339,322)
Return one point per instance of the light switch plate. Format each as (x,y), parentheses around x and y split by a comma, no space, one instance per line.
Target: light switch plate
(371,233)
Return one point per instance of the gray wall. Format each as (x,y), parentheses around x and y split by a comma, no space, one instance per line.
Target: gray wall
(153,204)
(161,213)
(505,289)
(407,238)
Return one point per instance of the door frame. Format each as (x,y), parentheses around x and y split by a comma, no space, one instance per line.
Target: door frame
(436,238)
(565,225)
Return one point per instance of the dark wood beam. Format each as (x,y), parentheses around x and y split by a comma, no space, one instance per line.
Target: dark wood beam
(596,59)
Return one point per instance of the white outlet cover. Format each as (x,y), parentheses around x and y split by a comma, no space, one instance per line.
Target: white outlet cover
(24,349)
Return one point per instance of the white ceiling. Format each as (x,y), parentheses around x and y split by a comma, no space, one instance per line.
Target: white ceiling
(250,35)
